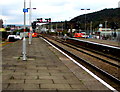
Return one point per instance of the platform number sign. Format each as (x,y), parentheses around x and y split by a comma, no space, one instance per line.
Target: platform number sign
(25,10)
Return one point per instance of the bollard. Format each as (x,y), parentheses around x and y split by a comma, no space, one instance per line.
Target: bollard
(24,49)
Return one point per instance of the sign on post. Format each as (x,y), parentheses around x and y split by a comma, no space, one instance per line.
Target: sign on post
(25,10)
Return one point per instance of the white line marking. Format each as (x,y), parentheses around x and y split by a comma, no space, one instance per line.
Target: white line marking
(92,74)
(96,43)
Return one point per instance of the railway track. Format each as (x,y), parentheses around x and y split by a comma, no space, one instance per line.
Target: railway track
(101,49)
(108,70)
(114,63)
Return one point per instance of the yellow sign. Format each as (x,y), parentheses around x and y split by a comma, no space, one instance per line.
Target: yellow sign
(2,29)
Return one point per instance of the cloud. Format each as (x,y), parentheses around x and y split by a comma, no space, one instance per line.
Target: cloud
(58,10)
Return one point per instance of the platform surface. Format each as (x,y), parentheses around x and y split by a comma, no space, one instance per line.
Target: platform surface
(106,42)
(46,69)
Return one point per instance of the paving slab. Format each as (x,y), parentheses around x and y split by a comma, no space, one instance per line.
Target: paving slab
(46,69)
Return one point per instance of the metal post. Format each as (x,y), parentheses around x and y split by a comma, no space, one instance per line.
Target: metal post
(24,39)
(51,26)
(62,27)
(30,19)
(57,30)
(5,23)
(30,34)
(91,27)
(56,27)
(85,18)
(105,25)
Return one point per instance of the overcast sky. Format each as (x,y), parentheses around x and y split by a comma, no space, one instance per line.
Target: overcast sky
(11,11)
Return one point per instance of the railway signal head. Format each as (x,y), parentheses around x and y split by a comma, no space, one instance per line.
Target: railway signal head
(34,25)
(48,20)
(40,20)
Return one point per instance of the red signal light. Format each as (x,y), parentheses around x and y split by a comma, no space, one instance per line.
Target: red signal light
(40,20)
(49,19)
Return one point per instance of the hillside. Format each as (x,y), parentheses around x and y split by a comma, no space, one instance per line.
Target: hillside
(99,17)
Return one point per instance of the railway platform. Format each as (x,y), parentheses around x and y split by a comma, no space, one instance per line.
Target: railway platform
(46,69)
(107,42)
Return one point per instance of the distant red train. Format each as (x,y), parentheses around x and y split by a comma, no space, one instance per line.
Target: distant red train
(79,35)
(33,34)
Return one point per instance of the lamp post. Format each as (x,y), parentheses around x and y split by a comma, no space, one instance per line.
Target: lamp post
(56,27)
(30,15)
(105,25)
(5,23)
(51,26)
(85,17)
(24,39)
(62,27)
(91,27)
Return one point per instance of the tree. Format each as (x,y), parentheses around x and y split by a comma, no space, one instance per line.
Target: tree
(66,25)
(114,25)
(7,29)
